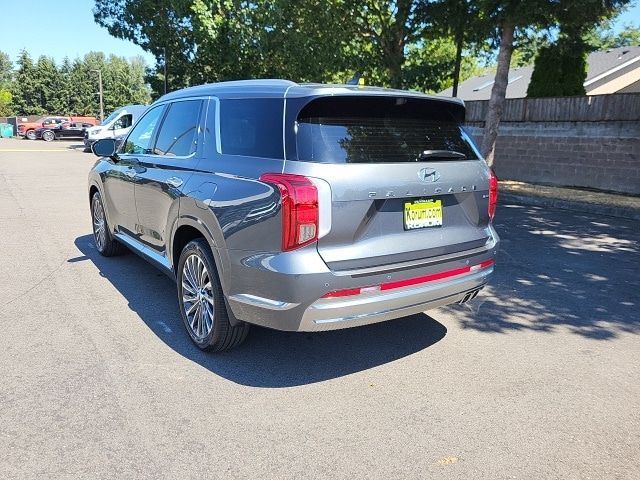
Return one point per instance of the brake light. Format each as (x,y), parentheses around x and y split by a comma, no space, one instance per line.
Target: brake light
(299,208)
(493,194)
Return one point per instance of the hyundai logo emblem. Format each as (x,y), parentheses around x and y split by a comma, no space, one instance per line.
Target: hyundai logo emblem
(428,175)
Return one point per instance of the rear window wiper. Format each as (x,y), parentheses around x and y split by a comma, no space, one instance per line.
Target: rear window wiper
(441,154)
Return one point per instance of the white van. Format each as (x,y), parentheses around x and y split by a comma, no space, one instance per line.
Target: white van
(115,125)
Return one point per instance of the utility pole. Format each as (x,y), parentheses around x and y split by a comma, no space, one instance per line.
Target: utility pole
(164,61)
(100,93)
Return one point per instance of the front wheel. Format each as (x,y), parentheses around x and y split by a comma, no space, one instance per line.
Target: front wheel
(104,241)
(201,301)
(31,134)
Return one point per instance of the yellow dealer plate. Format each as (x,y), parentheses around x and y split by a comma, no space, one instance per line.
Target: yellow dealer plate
(422,214)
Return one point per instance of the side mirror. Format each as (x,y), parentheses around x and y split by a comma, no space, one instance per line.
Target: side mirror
(105,147)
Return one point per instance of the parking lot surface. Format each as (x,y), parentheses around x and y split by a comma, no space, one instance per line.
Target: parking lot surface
(539,377)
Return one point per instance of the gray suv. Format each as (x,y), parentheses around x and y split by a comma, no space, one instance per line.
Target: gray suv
(300,207)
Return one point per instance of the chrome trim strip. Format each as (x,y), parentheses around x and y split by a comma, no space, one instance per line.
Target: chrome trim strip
(391,310)
(140,248)
(262,302)
(491,243)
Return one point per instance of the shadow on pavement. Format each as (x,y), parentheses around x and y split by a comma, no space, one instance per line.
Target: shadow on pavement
(560,269)
(268,358)
(78,146)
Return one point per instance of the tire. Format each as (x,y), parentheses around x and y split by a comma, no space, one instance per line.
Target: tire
(106,245)
(31,134)
(205,317)
(48,136)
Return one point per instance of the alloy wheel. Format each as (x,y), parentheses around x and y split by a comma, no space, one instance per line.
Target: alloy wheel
(99,225)
(197,296)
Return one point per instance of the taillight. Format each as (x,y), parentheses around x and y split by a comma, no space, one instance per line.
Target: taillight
(299,208)
(493,194)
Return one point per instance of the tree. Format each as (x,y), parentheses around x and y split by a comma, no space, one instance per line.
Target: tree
(26,95)
(430,66)
(6,109)
(6,78)
(214,40)
(603,37)
(461,20)
(509,15)
(6,70)
(561,68)
(72,88)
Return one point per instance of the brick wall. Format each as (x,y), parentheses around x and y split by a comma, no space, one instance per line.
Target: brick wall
(604,154)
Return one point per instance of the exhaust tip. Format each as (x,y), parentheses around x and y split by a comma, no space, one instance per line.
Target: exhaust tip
(470,296)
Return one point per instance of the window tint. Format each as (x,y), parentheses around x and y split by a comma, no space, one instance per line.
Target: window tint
(380,130)
(123,122)
(252,127)
(138,141)
(179,131)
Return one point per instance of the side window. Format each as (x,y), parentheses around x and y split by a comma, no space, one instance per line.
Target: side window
(252,127)
(179,131)
(139,140)
(123,122)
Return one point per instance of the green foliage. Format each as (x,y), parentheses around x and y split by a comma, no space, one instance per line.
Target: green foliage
(526,46)
(430,67)
(310,40)
(45,88)
(603,37)
(560,69)
(6,70)
(6,109)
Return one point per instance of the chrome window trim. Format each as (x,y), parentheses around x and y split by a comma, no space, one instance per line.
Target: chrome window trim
(155,135)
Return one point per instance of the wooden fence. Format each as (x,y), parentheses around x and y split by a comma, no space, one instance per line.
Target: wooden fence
(596,108)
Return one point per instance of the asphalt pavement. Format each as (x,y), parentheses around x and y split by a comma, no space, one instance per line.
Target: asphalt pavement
(537,378)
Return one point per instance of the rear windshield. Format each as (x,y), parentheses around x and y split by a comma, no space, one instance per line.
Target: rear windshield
(381,130)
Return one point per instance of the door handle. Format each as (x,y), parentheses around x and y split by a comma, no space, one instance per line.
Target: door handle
(130,172)
(174,182)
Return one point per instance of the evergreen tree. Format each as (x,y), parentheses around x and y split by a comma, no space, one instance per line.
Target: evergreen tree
(26,95)
(6,71)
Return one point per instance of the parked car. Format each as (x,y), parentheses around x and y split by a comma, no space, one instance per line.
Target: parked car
(299,207)
(66,130)
(28,129)
(116,125)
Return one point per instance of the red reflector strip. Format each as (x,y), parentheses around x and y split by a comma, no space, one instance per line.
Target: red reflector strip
(411,281)
(342,293)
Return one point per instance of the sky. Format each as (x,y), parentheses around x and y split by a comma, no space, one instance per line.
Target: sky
(59,28)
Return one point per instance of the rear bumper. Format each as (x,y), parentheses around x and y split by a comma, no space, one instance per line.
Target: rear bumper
(293,300)
(333,314)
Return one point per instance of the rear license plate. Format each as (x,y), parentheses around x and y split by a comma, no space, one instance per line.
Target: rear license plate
(422,214)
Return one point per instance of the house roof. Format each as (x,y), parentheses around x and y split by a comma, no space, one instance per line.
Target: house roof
(602,67)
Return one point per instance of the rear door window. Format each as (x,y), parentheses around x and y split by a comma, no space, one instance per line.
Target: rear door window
(252,127)
(179,131)
(381,130)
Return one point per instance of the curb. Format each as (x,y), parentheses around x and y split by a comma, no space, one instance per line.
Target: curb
(584,207)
